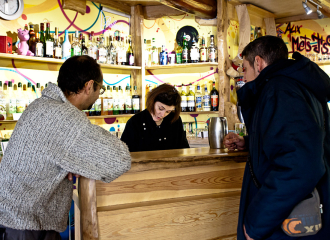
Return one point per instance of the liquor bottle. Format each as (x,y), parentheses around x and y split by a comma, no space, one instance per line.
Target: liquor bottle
(66,46)
(42,37)
(154,53)
(91,46)
(119,57)
(29,94)
(212,49)
(163,56)
(178,53)
(10,101)
(259,33)
(102,52)
(203,51)
(34,93)
(206,99)
(111,52)
(214,98)
(49,43)
(251,37)
(2,103)
(184,102)
(110,101)
(135,101)
(92,110)
(20,100)
(115,101)
(57,46)
(185,50)
(98,106)
(32,40)
(76,46)
(130,54)
(128,100)
(199,98)
(194,52)
(38,90)
(39,47)
(145,53)
(123,51)
(121,100)
(191,99)
(84,50)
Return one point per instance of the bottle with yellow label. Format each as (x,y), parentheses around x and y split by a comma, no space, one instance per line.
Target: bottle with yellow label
(2,103)
(20,100)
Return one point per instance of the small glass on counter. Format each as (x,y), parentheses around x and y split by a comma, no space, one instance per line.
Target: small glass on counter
(240,129)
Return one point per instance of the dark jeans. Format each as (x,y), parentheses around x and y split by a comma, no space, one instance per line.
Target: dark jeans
(13,234)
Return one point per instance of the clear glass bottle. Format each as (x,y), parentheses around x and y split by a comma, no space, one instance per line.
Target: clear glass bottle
(163,56)
(98,106)
(115,101)
(3,114)
(206,99)
(20,100)
(184,100)
(123,51)
(29,94)
(194,52)
(154,53)
(110,101)
(191,99)
(214,98)
(39,47)
(178,53)
(135,101)
(212,50)
(121,100)
(49,43)
(42,37)
(84,50)
(128,100)
(102,52)
(111,59)
(32,40)
(91,46)
(76,46)
(130,54)
(66,46)
(10,101)
(57,46)
(185,50)
(199,98)
(203,51)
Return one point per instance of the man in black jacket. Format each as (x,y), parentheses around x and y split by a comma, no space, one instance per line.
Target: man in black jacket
(284,105)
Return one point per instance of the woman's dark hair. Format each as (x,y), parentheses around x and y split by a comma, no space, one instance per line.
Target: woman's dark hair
(269,48)
(76,71)
(167,95)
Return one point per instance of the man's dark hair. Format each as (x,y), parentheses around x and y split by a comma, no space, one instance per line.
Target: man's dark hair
(269,48)
(167,95)
(76,71)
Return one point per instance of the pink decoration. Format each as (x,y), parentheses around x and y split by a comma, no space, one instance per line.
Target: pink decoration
(23,47)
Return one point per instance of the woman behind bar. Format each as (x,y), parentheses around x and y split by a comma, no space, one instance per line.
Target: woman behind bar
(159,126)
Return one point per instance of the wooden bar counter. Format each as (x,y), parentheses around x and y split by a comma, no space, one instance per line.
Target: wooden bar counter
(174,194)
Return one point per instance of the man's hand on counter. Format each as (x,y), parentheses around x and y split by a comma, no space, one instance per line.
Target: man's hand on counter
(233,141)
(70,176)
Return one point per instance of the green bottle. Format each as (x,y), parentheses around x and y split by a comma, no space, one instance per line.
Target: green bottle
(185,50)
(178,52)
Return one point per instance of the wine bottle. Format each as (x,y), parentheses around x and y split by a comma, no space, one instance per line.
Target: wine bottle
(184,102)
(191,99)
(135,101)
(49,43)
(214,98)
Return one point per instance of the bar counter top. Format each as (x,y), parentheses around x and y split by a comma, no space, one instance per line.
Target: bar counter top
(179,158)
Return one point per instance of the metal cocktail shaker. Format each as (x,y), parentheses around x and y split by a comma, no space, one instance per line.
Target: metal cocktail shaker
(218,129)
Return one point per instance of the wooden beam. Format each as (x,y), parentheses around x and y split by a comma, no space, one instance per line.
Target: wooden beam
(206,22)
(115,5)
(154,12)
(223,59)
(297,18)
(88,207)
(138,76)
(270,26)
(75,5)
(200,8)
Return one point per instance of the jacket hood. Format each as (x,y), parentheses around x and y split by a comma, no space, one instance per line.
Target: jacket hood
(302,70)
(54,92)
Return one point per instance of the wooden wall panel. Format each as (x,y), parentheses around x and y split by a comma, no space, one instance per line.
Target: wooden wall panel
(207,217)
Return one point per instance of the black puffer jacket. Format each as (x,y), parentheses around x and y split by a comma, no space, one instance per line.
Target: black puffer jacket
(282,109)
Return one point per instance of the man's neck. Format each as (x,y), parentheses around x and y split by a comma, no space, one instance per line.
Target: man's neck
(74,99)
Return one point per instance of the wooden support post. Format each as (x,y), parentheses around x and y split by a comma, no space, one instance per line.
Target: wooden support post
(270,26)
(88,207)
(136,28)
(223,59)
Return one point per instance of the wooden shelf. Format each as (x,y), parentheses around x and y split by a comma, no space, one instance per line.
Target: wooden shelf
(322,62)
(58,61)
(8,121)
(187,65)
(110,116)
(202,112)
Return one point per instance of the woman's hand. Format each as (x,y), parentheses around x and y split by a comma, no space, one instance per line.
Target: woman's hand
(233,141)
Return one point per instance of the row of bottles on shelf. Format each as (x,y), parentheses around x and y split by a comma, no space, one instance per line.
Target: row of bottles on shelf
(196,100)
(15,98)
(118,51)
(182,54)
(116,101)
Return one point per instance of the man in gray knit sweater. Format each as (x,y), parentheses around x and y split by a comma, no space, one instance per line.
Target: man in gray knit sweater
(53,138)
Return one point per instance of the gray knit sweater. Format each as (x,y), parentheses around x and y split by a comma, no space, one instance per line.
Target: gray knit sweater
(51,139)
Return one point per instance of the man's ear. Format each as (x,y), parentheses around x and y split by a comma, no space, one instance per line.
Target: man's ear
(88,89)
(260,63)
